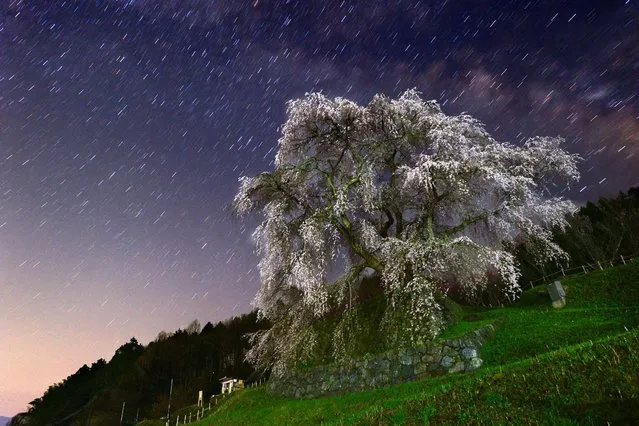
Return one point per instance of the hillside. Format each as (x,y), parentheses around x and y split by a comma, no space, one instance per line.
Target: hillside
(140,376)
(579,364)
(576,364)
(532,339)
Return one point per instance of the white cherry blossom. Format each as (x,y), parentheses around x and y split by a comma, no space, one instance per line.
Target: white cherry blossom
(427,201)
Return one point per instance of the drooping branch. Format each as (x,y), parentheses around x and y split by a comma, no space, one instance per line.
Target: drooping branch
(346,231)
(387,225)
(466,223)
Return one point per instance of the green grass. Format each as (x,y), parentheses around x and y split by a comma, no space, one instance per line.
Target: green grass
(599,304)
(191,409)
(576,365)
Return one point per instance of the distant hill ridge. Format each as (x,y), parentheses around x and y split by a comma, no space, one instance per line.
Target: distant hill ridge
(193,359)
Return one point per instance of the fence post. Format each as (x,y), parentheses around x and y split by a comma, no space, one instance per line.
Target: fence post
(623,260)
(122,415)
(562,271)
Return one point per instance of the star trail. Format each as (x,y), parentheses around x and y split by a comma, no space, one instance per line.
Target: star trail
(125,125)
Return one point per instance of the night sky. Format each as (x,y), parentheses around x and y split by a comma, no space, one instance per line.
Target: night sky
(124,126)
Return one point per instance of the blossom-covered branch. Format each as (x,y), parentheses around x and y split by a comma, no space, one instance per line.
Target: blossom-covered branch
(425,200)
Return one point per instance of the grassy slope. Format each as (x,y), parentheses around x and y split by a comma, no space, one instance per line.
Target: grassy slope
(191,409)
(576,365)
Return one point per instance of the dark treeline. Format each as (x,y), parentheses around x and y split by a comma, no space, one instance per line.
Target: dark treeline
(141,376)
(598,232)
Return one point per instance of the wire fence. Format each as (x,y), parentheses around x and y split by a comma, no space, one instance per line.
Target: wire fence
(194,413)
(198,413)
(583,269)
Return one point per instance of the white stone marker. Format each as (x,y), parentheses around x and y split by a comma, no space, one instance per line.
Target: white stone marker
(557,294)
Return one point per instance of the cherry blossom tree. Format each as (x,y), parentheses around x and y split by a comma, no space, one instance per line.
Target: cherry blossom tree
(424,200)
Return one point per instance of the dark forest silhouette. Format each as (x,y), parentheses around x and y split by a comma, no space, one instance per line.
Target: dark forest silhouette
(195,360)
(141,376)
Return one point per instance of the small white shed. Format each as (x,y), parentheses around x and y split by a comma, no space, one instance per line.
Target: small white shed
(228,383)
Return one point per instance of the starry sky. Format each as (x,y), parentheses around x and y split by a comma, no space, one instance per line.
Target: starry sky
(124,126)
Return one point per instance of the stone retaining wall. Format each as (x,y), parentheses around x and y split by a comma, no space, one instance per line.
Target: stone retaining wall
(395,366)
